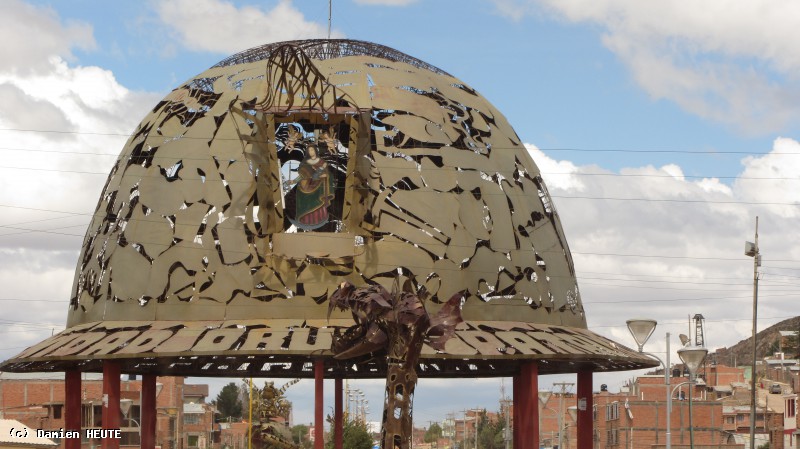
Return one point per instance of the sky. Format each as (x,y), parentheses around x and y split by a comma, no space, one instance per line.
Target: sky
(662,130)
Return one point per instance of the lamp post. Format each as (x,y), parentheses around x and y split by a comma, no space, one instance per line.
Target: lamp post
(641,329)
(573,414)
(544,396)
(751,250)
(692,357)
(125,407)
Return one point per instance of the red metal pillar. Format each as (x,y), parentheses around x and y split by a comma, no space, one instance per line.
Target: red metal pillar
(585,407)
(516,402)
(148,415)
(526,407)
(72,407)
(319,421)
(111,411)
(338,422)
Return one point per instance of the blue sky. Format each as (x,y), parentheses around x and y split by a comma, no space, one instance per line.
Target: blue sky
(662,130)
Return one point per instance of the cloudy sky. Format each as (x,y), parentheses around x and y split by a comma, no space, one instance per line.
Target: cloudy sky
(662,130)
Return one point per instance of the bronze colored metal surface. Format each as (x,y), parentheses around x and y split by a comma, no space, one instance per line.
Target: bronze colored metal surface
(251,191)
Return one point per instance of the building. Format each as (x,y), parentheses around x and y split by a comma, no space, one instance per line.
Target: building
(184,420)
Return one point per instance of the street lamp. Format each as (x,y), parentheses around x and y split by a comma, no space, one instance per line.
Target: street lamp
(641,329)
(692,357)
(573,414)
(544,396)
(751,250)
(125,407)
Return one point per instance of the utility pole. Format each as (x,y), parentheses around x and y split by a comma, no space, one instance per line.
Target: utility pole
(751,250)
(451,419)
(563,391)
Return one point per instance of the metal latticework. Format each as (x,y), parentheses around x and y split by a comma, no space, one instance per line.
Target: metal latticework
(324,49)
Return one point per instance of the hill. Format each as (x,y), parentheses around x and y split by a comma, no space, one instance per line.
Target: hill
(767,344)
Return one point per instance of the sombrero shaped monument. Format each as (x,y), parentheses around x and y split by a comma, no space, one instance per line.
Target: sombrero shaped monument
(253,191)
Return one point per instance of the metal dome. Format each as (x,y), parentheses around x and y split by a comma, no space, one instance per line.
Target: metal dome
(249,193)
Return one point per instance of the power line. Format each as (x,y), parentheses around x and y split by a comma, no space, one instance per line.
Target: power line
(577,150)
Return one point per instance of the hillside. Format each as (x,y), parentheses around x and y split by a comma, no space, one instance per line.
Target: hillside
(742,353)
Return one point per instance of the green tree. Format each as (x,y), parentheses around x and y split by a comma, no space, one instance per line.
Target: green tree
(490,433)
(354,435)
(300,435)
(228,402)
(433,433)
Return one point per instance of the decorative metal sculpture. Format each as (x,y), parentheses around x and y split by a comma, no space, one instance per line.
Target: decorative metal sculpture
(396,323)
(192,264)
(270,407)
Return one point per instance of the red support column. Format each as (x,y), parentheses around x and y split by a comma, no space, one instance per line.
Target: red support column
(72,407)
(526,407)
(319,421)
(585,408)
(148,414)
(111,411)
(338,422)
(516,422)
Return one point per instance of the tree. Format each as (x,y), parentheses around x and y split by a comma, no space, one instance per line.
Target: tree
(228,402)
(490,433)
(300,435)
(433,433)
(354,435)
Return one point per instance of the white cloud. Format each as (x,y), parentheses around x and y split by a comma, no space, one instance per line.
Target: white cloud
(219,26)
(773,180)
(733,62)
(675,247)
(557,174)
(32,34)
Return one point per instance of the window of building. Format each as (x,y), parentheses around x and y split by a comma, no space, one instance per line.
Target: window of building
(791,408)
(612,411)
(191,418)
(740,417)
(612,437)
(730,419)
(57,410)
(192,440)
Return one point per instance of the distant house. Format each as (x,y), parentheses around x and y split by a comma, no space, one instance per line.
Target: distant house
(14,435)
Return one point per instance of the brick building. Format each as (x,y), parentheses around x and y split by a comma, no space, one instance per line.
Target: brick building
(184,420)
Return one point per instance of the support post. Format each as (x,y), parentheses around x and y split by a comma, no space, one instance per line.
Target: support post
(516,397)
(319,419)
(111,412)
(72,407)
(148,414)
(585,406)
(526,410)
(338,421)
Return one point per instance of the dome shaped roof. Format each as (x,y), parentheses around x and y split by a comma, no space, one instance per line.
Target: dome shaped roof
(250,192)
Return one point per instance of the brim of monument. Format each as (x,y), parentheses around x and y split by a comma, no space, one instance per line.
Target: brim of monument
(287,348)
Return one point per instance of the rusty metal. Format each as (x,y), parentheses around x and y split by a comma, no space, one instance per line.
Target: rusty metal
(396,324)
(192,265)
